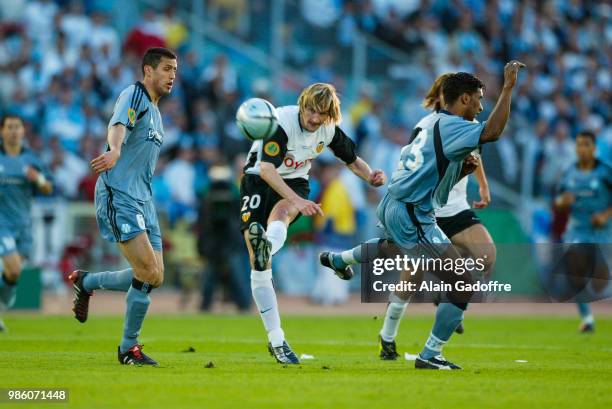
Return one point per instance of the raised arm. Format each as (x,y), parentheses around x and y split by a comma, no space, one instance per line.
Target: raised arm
(499,116)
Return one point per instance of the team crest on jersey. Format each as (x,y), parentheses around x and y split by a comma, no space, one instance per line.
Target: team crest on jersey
(246,216)
(131,116)
(271,148)
(320,147)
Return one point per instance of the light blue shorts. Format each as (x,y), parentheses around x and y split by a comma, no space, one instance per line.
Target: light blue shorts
(16,240)
(401,225)
(121,217)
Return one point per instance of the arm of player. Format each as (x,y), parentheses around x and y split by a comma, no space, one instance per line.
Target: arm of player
(42,183)
(361,168)
(343,148)
(270,175)
(601,219)
(483,186)
(499,116)
(565,200)
(104,162)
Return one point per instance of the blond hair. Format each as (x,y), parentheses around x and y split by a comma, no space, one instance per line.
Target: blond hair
(433,99)
(321,97)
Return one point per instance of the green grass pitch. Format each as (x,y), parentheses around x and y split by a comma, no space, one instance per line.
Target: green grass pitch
(563,370)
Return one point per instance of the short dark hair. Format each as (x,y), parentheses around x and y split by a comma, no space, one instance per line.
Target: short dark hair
(587,134)
(9,116)
(154,55)
(458,84)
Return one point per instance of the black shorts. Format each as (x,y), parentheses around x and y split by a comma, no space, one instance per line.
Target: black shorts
(457,223)
(257,198)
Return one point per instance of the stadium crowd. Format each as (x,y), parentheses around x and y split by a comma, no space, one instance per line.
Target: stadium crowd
(63,63)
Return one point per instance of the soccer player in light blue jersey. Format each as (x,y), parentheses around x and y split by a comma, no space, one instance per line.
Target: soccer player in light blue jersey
(124,205)
(21,175)
(430,165)
(586,190)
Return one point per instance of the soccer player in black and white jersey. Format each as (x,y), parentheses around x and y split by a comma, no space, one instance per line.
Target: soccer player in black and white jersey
(456,219)
(274,191)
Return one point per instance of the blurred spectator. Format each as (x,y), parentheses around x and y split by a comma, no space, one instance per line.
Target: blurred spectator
(179,176)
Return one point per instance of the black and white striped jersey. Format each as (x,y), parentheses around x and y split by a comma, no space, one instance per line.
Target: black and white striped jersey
(292,149)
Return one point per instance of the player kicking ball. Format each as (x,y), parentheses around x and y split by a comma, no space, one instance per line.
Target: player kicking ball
(274,191)
(124,206)
(20,177)
(429,167)
(586,190)
(456,219)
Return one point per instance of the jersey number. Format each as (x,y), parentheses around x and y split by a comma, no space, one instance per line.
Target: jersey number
(253,203)
(414,159)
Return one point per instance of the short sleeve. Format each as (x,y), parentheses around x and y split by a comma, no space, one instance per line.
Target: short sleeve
(459,137)
(128,108)
(275,147)
(343,147)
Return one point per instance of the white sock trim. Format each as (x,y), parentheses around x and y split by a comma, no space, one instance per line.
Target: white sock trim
(261,278)
(434,343)
(277,234)
(347,257)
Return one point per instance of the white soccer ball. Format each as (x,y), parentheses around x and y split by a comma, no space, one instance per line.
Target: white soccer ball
(257,119)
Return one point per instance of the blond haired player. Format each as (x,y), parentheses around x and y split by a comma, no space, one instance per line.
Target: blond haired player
(274,191)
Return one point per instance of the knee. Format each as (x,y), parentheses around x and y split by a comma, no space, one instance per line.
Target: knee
(149,272)
(487,256)
(12,271)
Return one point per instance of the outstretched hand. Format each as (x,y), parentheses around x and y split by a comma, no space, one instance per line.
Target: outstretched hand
(377,178)
(511,72)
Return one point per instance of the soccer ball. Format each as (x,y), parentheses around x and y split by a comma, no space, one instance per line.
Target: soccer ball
(257,119)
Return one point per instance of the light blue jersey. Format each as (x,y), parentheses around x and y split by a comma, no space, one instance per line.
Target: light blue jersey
(133,172)
(16,190)
(431,163)
(593,192)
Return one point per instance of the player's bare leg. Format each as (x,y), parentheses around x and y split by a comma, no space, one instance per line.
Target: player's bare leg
(478,243)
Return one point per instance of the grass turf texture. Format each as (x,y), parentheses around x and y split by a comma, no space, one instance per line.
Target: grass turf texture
(564,369)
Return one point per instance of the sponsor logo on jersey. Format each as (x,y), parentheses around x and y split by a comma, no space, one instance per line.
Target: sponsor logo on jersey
(131,116)
(155,137)
(246,216)
(320,147)
(292,163)
(126,228)
(271,148)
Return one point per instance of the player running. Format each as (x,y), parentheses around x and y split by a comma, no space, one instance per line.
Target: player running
(456,219)
(586,190)
(429,167)
(124,206)
(21,176)
(274,191)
